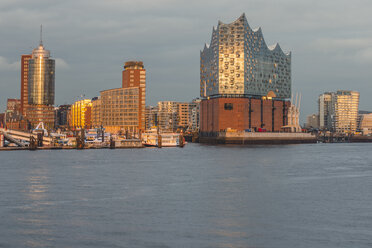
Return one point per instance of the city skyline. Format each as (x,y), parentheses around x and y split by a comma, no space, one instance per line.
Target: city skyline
(329,52)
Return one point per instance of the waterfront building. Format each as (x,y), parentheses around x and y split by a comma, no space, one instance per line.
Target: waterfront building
(120,110)
(184,110)
(123,109)
(13,117)
(346,105)
(13,106)
(96,112)
(41,88)
(151,117)
(325,110)
(338,111)
(2,119)
(81,114)
(365,122)
(238,62)
(312,121)
(134,75)
(173,116)
(294,116)
(195,115)
(168,115)
(244,83)
(24,82)
(61,116)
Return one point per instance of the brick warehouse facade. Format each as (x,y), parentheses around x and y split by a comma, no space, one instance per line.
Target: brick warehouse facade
(218,114)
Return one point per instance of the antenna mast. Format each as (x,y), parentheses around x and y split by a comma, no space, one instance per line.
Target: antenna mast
(41,35)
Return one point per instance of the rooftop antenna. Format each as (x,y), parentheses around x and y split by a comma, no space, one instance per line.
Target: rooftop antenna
(41,34)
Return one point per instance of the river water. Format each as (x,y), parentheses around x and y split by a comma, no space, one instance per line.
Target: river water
(313,195)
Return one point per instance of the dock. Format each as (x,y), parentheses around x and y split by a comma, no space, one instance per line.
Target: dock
(256,138)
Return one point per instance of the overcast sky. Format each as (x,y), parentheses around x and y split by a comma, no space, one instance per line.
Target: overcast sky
(331,43)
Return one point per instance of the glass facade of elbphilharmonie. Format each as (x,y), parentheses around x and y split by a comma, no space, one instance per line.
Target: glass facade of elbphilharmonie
(238,62)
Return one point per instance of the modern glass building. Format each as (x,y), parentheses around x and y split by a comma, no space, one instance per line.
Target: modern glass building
(244,84)
(41,89)
(239,63)
(41,77)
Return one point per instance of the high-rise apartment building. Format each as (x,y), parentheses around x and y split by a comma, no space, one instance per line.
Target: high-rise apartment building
(41,69)
(325,105)
(244,83)
(24,82)
(338,111)
(346,111)
(134,75)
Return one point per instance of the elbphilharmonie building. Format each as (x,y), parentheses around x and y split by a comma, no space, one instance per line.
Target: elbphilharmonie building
(238,62)
(244,84)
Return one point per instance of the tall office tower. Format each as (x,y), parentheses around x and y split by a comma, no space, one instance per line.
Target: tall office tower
(245,84)
(41,87)
(346,104)
(325,106)
(134,75)
(24,82)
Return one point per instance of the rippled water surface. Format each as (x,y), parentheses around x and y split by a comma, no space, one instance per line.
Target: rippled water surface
(317,195)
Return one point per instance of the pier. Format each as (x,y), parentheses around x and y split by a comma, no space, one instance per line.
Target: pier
(246,138)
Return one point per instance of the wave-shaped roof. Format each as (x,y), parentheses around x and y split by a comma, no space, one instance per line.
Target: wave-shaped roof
(256,31)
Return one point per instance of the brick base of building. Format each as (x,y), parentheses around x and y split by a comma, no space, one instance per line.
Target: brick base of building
(41,113)
(220,114)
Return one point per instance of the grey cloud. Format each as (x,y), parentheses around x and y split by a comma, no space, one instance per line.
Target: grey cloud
(5,65)
(97,37)
(357,50)
(61,64)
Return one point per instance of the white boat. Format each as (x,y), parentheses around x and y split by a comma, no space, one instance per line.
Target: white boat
(152,138)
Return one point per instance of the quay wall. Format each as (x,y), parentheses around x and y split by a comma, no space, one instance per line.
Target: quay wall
(257,138)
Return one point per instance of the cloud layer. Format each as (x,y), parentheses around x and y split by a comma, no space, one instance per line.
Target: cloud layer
(92,40)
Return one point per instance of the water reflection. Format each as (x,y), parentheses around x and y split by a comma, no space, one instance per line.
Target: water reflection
(199,196)
(35,220)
